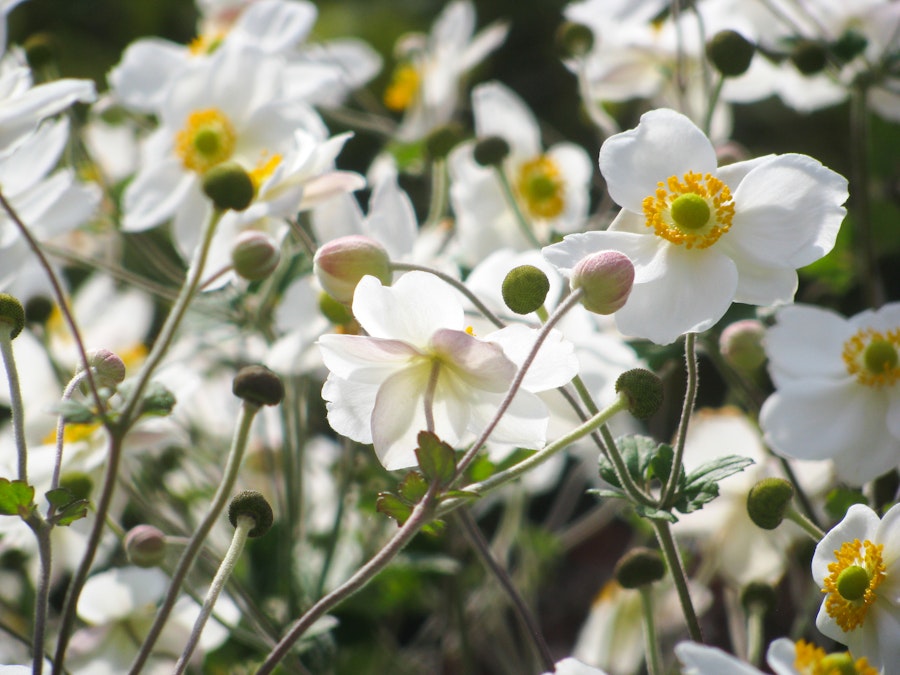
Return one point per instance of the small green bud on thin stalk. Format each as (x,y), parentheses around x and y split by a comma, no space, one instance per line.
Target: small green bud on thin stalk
(758,595)
(78,483)
(442,140)
(640,567)
(251,504)
(342,262)
(109,368)
(525,289)
(605,279)
(491,151)
(12,315)
(643,390)
(254,255)
(229,186)
(741,345)
(145,546)
(730,53)
(809,57)
(258,385)
(38,309)
(574,39)
(768,502)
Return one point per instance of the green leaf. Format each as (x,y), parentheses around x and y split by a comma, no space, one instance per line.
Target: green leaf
(74,412)
(611,494)
(413,487)
(458,494)
(393,507)
(660,466)
(693,498)
(16,498)
(840,499)
(74,511)
(654,514)
(719,469)
(60,497)
(637,452)
(436,459)
(158,401)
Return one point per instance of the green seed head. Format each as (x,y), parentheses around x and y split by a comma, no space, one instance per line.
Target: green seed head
(768,502)
(690,211)
(525,289)
(252,504)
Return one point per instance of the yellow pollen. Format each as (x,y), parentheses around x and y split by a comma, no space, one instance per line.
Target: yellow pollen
(264,168)
(206,43)
(208,138)
(73,433)
(540,185)
(403,89)
(812,660)
(470,331)
(658,210)
(872,357)
(850,614)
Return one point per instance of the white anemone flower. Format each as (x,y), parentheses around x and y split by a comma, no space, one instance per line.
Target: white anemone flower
(837,389)
(419,367)
(570,666)
(702,236)
(857,566)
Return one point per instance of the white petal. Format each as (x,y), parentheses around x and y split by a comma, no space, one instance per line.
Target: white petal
(273,25)
(147,66)
(664,144)
(764,285)
(500,112)
(554,365)
(350,406)
(364,359)
(702,660)
(155,194)
(399,416)
(478,363)
(807,341)
(119,592)
(524,424)
(647,252)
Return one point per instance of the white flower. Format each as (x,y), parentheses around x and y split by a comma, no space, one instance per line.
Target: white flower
(857,566)
(419,362)
(570,666)
(837,393)
(702,237)
(699,659)
(787,657)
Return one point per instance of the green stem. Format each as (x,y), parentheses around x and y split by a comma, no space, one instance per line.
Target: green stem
(755,633)
(16,404)
(438,205)
(70,389)
(713,102)
(676,567)
(808,526)
(241,531)
(41,531)
(510,196)
(690,397)
(654,663)
(223,492)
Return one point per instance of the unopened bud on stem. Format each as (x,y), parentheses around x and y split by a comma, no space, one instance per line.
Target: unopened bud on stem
(605,279)
(342,262)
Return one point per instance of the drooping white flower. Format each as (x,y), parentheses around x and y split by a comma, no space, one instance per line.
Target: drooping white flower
(857,566)
(702,236)
(418,362)
(837,387)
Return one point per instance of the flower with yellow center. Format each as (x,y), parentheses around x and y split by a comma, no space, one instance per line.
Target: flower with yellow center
(702,236)
(837,387)
(857,566)
(404,87)
(541,187)
(206,139)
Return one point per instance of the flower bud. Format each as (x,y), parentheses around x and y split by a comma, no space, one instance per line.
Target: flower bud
(809,56)
(38,309)
(109,369)
(12,315)
(525,289)
(254,255)
(442,140)
(145,546)
(730,53)
(252,504)
(78,483)
(229,186)
(639,567)
(41,51)
(758,594)
(258,385)
(741,344)
(606,279)
(768,502)
(491,151)
(643,389)
(342,262)
(574,39)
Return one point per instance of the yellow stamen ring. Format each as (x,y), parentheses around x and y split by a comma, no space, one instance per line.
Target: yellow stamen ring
(540,185)
(692,212)
(812,660)
(873,357)
(844,577)
(403,89)
(208,138)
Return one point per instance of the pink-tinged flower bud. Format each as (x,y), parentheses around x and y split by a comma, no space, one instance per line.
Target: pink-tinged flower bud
(741,344)
(145,546)
(254,255)
(109,369)
(341,263)
(606,278)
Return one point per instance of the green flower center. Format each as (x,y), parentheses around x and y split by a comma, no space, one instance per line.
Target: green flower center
(690,211)
(207,138)
(852,582)
(839,664)
(880,357)
(873,357)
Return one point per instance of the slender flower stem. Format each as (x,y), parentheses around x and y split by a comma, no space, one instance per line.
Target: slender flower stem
(241,531)
(524,225)
(70,389)
(676,567)
(41,529)
(223,492)
(430,388)
(15,402)
(481,547)
(808,526)
(756,633)
(438,205)
(690,396)
(456,283)
(654,663)
(420,515)
(713,102)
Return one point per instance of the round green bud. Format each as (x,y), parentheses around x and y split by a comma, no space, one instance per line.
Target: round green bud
(442,140)
(336,312)
(12,315)
(730,53)
(38,309)
(145,546)
(525,288)
(252,504)
(605,278)
(758,594)
(639,567)
(643,390)
(491,151)
(254,255)
(41,50)
(342,262)
(78,483)
(741,344)
(574,39)
(768,502)
(809,56)
(229,186)
(108,368)
(258,385)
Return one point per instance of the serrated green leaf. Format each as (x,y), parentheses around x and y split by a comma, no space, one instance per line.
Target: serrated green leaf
(60,497)
(611,494)
(436,459)
(840,499)
(654,514)
(74,412)
(660,465)
(607,473)
(16,497)
(434,527)
(413,487)
(393,507)
(458,494)
(696,495)
(719,469)
(74,511)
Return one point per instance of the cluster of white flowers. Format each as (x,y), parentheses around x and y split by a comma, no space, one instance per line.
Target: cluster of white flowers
(193,215)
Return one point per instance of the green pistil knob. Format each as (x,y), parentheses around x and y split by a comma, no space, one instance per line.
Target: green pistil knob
(809,56)
(229,186)
(643,390)
(768,502)
(525,289)
(690,211)
(639,567)
(730,52)
(442,140)
(258,385)
(841,663)
(254,255)
(12,314)
(342,262)
(145,546)
(853,582)
(491,151)
(574,39)
(252,504)
(758,595)
(880,356)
